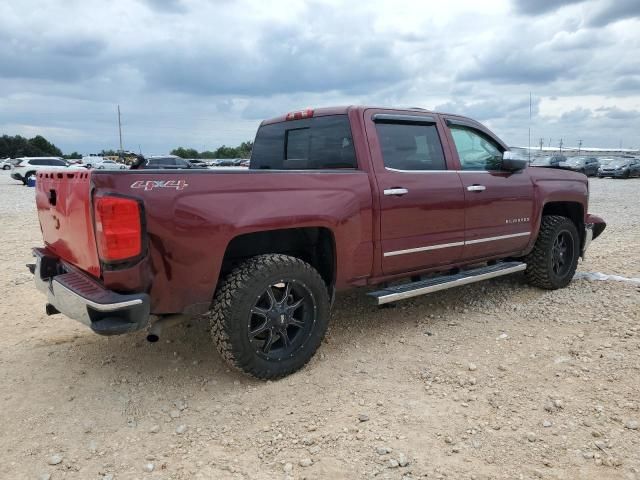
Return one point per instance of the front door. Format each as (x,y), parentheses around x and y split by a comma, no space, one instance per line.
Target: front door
(498,204)
(421,200)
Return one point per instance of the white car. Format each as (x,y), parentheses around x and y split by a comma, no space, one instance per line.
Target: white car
(109,165)
(27,167)
(6,164)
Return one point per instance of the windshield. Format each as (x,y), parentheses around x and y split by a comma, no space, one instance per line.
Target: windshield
(576,161)
(618,162)
(606,161)
(542,161)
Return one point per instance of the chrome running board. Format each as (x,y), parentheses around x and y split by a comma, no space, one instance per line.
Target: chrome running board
(422,287)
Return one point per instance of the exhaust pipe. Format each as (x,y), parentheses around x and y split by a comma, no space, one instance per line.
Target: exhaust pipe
(163,322)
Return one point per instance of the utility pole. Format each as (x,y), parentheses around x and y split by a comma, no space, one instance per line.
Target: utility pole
(579,146)
(560,145)
(541,143)
(120,130)
(549,142)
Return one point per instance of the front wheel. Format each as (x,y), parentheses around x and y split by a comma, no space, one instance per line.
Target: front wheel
(269,315)
(554,258)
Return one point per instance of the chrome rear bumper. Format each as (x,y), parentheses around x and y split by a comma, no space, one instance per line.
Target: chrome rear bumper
(78,296)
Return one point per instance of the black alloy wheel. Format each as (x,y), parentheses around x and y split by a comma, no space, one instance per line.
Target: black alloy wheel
(562,253)
(281,319)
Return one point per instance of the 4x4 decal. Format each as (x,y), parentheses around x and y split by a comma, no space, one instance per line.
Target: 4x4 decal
(151,184)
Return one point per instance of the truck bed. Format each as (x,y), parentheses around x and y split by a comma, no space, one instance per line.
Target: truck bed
(191,216)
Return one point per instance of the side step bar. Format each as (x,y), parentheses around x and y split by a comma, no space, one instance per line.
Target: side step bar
(422,287)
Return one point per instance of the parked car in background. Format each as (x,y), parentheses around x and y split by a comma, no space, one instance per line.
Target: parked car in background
(197,163)
(26,167)
(91,161)
(552,161)
(224,162)
(171,162)
(6,164)
(110,165)
(587,165)
(621,167)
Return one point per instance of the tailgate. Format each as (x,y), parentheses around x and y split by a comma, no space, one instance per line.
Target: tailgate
(64,207)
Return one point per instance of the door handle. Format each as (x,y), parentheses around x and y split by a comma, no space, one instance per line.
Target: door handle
(396,191)
(476,188)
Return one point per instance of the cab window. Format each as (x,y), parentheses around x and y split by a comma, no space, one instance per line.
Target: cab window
(475,150)
(408,146)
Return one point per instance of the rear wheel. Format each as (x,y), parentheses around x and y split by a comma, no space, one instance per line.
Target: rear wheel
(270,315)
(554,258)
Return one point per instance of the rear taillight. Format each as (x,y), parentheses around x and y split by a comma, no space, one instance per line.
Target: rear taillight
(118,228)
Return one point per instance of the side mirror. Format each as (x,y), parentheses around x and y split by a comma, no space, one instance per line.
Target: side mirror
(512,164)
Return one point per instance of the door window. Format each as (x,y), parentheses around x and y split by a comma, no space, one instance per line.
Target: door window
(410,146)
(475,150)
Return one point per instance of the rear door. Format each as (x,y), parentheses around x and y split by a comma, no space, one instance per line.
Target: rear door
(421,199)
(498,204)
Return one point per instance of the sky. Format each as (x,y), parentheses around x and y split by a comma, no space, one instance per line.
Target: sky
(201,74)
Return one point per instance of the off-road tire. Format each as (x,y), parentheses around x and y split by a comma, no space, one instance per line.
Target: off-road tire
(539,262)
(237,295)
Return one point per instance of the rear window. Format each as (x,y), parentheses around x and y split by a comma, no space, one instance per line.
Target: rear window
(308,144)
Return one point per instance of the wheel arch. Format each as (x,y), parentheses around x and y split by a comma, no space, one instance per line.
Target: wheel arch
(574,211)
(314,245)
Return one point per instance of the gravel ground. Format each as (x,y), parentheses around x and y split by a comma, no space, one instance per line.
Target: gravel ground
(493,380)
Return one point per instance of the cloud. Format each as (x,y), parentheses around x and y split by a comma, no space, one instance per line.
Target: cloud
(539,7)
(202,73)
(613,11)
(166,6)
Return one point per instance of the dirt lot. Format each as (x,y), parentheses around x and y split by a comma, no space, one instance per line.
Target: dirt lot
(496,380)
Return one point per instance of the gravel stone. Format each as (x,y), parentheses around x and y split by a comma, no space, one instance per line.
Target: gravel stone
(55,459)
(305,462)
(148,467)
(180,429)
(363,417)
(631,424)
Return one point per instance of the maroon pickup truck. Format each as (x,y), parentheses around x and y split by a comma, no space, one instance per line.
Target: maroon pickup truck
(408,200)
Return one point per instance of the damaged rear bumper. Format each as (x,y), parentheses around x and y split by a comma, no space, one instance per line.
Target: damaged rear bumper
(80,297)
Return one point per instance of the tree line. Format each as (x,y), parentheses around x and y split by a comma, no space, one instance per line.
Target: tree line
(38,146)
(241,151)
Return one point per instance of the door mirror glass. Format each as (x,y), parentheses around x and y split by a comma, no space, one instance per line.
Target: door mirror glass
(511,163)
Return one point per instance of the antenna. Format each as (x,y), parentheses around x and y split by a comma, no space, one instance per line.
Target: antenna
(529,146)
(120,129)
